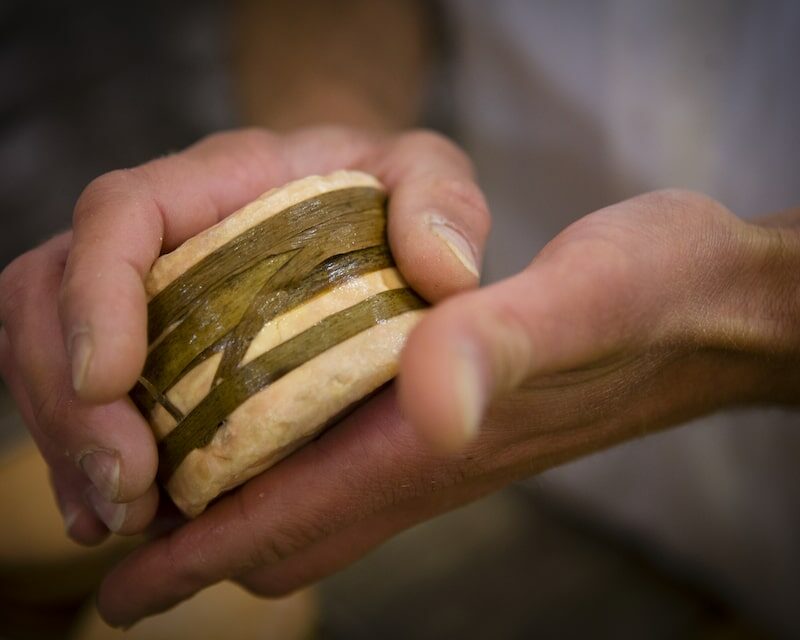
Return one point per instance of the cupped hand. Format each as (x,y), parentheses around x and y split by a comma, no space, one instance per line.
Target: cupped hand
(73,311)
(637,317)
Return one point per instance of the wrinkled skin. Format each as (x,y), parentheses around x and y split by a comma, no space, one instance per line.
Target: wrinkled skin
(637,317)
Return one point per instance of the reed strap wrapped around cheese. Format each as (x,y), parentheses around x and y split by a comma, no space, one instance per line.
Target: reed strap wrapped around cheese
(268,326)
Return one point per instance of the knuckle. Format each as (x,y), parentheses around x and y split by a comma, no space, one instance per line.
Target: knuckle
(107,187)
(392,492)
(256,138)
(433,140)
(259,137)
(436,143)
(285,541)
(253,147)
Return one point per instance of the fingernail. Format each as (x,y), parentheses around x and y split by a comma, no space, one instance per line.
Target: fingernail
(70,513)
(80,352)
(111,513)
(470,393)
(455,241)
(102,468)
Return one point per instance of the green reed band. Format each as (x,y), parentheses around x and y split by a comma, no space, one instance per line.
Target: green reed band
(197,429)
(223,301)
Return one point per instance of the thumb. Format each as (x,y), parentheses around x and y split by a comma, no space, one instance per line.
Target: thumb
(122,221)
(556,315)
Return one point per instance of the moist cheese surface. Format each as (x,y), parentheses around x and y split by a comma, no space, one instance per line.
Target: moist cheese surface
(266,327)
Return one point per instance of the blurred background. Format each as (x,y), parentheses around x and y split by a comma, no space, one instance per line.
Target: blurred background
(565,108)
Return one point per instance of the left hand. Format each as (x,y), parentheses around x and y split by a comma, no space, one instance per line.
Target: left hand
(73,312)
(637,317)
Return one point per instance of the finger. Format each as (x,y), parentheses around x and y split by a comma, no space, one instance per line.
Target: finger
(438,217)
(127,518)
(575,306)
(111,444)
(334,553)
(122,221)
(80,523)
(331,554)
(323,149)
(367,463)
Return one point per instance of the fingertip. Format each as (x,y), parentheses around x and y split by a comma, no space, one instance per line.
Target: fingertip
(438,217)
(456,242)
(83,526)
(138,457)
(124,518)
(437,237)
(102,468)
(80,524)
(117,452)
(435,257)
(441,390)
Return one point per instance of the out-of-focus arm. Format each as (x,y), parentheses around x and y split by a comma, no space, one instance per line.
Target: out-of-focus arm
(355,62)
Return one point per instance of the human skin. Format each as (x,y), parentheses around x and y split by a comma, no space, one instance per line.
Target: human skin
(637,317)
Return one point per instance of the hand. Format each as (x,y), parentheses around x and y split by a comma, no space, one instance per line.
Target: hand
(73,311)
(637,317)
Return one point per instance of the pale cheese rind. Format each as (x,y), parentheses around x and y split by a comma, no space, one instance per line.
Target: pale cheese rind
(286,414)
(274,422)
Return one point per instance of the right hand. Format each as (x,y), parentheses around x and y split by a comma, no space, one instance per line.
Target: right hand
(595,342)
(73,311)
